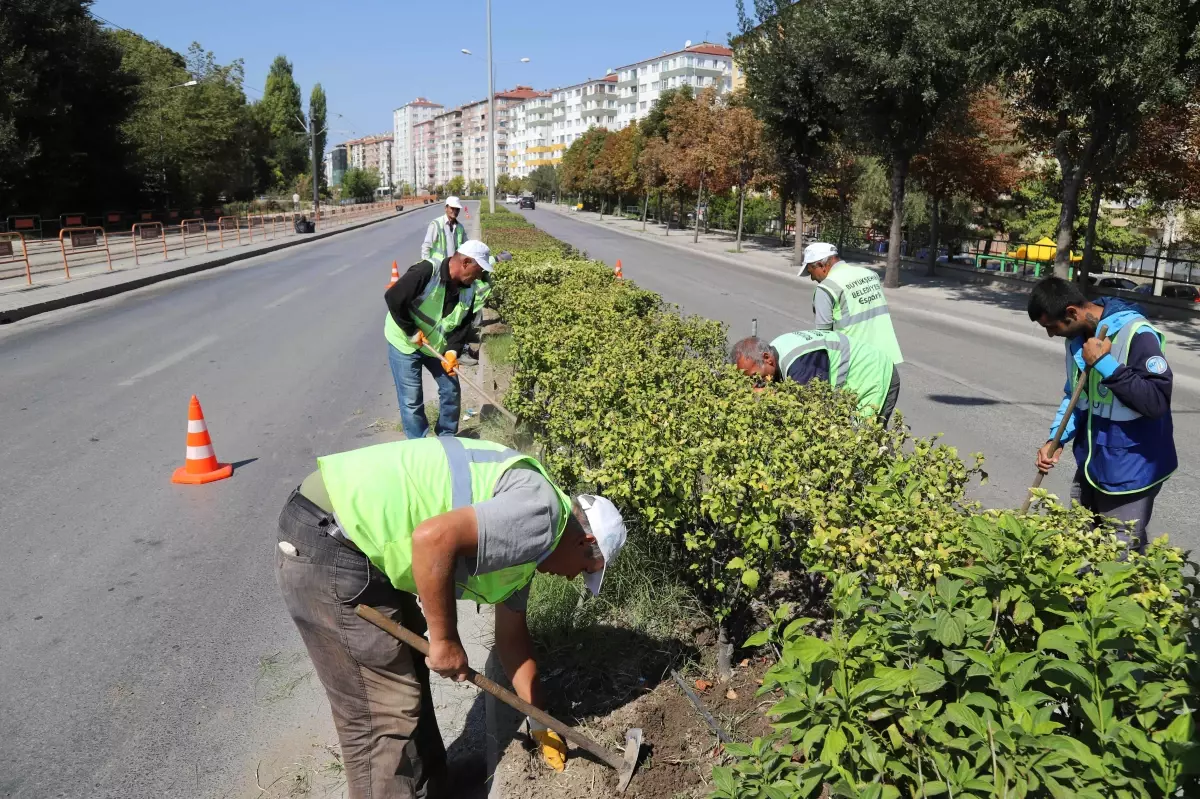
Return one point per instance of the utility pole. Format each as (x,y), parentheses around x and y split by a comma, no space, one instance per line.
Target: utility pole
(312,130)
(491,117)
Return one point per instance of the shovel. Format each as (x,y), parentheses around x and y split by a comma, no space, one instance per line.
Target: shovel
(428,349)
(1062,425)
(623,764)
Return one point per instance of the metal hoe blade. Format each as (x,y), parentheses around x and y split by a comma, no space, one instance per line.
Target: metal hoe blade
(633,748)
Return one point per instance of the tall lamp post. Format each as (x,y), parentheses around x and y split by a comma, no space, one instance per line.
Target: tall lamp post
(491,112)
(313,133)
(162,151)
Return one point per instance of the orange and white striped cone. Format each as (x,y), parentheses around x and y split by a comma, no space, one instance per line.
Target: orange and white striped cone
(617,270)
(395,275)
(200,465)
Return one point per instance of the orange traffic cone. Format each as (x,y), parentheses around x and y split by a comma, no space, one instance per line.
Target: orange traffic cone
(395,275)
(617,270)
(200,465)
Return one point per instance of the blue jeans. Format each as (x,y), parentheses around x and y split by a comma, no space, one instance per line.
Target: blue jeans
(406,371)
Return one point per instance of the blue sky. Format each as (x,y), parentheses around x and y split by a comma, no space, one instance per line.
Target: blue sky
(375,55)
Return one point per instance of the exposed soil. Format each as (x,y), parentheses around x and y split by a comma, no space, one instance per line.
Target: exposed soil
(678,751)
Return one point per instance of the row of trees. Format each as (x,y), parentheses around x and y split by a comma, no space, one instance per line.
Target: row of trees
(1104,91)
(93,118)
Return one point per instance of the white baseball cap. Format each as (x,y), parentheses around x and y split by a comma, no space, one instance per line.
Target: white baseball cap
(478,252)
(454,202)
(608,528)
(817,251)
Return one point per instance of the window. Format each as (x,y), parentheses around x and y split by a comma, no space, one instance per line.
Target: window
(642,105)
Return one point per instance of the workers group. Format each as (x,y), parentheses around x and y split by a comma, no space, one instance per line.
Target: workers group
(408,527)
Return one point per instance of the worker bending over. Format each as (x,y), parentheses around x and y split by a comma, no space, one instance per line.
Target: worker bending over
(437,301)
(431,519)
(825,355)
(1124,436)
(849,299)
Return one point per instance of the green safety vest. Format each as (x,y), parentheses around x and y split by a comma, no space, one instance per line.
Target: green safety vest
(859,308)
(381,493)
(427,314)
(853,365)
(483,290)
(439,251)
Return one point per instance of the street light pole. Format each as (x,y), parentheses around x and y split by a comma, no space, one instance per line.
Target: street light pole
(491,117)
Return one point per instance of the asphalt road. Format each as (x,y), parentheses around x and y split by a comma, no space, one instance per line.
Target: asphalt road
(986,384)
(146,652)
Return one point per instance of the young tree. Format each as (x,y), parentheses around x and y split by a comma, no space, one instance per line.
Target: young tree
(652,168)
(900,67)
(739,140)
(1081,90)
(360,184)
(542,182)
(281,113)
(698,162)
(317,113)
(457,185)
(782,53)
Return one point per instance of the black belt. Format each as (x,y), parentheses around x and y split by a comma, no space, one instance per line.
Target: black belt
(325,520)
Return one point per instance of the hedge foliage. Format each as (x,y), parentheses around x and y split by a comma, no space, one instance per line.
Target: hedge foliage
(970,649)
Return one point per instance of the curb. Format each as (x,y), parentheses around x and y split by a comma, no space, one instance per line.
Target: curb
(7,316)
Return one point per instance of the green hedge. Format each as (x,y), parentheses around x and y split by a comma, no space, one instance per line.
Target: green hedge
(631,399)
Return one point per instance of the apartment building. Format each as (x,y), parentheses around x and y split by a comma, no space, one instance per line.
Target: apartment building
(574,109)
(448,146)
(700,66)
(475,132)
(372,152)
(339,161)
(529,143)
(424,157)
(406,168)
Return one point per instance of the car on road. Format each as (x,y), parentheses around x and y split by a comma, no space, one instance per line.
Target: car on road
(526,202)
(1179,291)
(1113,283)
(510,199)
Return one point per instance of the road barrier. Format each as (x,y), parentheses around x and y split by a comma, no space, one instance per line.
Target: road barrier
(27,224)
(145,216)
(73,220)
(262,226)
(196,228)
(8,253)
(151,232)
(223,224)
(113,219)
(83,240)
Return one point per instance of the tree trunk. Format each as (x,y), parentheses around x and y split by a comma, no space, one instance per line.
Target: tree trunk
(891,276)
(645,208)
(699,200)
(724,653)
(658,213)
(741,213)
(1071,184)
(603,203)
(935,213)
(670,204)
(1089,242)
(782,215)
(801,193)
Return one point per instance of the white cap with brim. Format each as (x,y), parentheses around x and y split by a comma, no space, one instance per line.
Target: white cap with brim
(478,252)
(454,202)
(608,528)
(817,251)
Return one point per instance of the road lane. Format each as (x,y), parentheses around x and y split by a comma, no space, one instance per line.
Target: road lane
(986,388)
(146,652)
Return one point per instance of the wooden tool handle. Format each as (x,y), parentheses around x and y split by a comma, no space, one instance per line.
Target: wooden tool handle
(1062,425)
(506,696)
(429,350)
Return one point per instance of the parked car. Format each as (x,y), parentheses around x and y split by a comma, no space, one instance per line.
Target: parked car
(1114,283)
(1145,288)
(526,202)
(1179,291)
(510,199)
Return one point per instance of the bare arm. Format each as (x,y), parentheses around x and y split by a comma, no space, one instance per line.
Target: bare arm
(515,648)
(436,545)
(427,244)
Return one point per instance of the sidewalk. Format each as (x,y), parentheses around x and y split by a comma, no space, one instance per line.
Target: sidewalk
(941,299)
(19,300)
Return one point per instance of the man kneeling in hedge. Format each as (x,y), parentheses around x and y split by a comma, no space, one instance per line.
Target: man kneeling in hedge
(825,355)
(429,519)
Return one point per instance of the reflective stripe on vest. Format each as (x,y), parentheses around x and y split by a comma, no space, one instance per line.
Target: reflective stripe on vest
(426,312)
(439,250)
(1098,400)
(381,494)
(854,365)
(860,309)
(839,368)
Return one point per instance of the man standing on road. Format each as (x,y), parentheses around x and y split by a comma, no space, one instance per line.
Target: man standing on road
(1124,435)
(432,519)
(825,355)
(849,299)
(445,234)
(435,300)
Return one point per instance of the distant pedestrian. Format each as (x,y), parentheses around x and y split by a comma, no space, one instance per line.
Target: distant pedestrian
(1122,426)
(445,234)
(841,360)
(429,520)
(437,301)
(849,299)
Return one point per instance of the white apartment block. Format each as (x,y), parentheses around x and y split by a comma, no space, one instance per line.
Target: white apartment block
(424,157)
(700,66)
(405,119)
(372,152)
(529,135)
(475,132)
(448,146)
(575,109)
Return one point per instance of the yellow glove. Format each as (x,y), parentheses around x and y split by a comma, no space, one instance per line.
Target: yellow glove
(554,749)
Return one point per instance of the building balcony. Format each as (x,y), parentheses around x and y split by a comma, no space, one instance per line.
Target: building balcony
(597,112)
(630,81)
(690,70)
(537,123)
(559,104)
(633,98)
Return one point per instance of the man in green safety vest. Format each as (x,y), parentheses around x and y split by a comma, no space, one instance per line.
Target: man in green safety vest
(849,299)
(436,301)
(445,234)
(842,360)
(431,520)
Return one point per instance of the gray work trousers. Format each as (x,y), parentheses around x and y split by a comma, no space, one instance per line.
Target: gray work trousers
(893,394)
(1133,509)
(378,688)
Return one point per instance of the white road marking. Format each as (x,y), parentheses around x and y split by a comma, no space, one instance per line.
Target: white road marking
(340,269)
(167,363)
(285,298)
